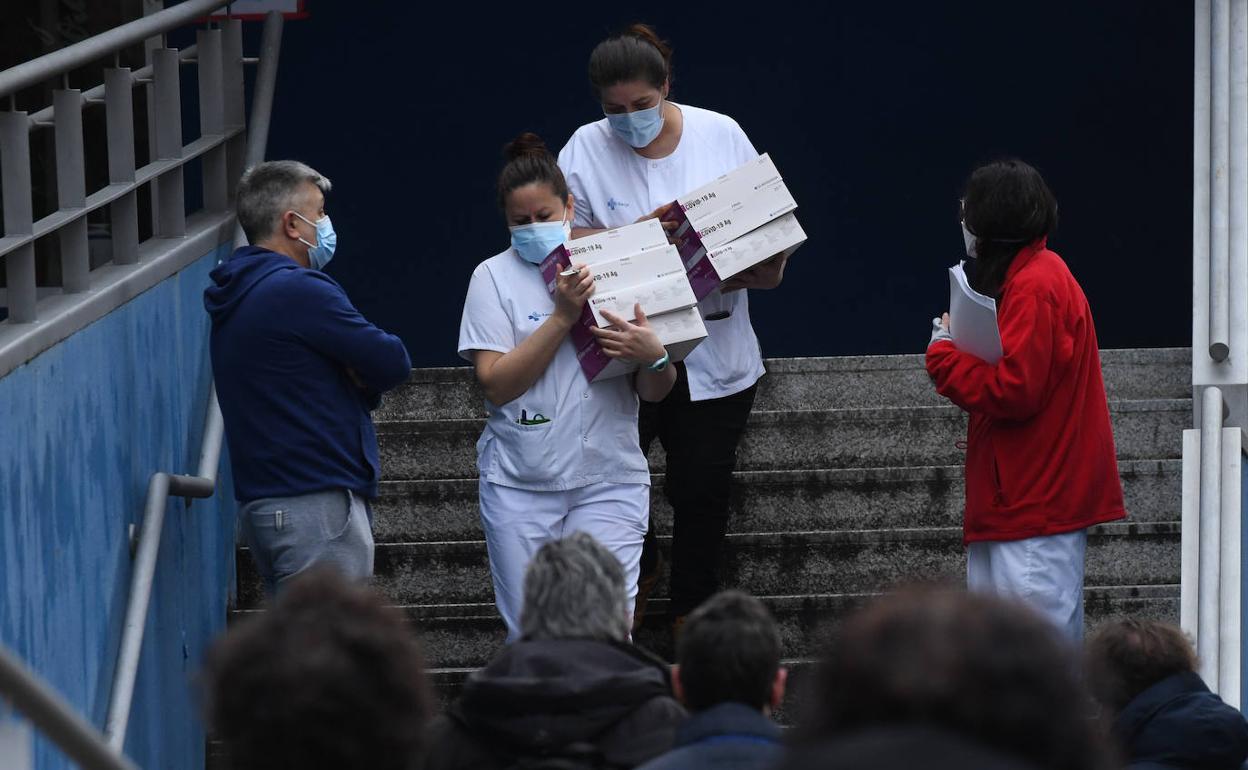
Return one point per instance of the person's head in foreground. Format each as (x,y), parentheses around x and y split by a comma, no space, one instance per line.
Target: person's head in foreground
(1143,673)
(729,652)
(327,677)
(574,589)
(977,667)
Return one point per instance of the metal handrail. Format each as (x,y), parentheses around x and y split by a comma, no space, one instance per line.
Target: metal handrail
(164,485)
(75,736)
(47,114)
(84,52)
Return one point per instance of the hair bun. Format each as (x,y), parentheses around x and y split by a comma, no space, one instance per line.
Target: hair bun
(527,143)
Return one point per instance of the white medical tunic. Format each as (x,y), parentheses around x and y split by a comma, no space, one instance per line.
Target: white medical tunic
(613,186)
(583,433)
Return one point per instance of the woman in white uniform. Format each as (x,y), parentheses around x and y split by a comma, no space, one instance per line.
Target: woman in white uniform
(558,454)
(629,166)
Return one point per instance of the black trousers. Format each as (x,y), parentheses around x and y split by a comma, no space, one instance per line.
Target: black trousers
(700,438)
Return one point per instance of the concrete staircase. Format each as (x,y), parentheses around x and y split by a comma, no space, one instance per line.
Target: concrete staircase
(849,481)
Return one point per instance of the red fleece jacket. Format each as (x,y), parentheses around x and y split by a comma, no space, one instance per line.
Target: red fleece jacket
(1040,456)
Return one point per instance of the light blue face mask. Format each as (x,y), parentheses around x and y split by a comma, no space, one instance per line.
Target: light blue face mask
(639,128)
(534,242)
(322,251)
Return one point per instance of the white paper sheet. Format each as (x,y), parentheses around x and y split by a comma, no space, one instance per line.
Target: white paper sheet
(972,318)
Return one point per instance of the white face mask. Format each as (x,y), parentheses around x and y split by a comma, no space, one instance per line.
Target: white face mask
(969,240)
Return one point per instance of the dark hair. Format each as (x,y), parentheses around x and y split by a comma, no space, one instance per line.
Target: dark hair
(327,677)
(977,666)
(1125,657)
(1006,206)
(529,161)
(729,651)
(637,53)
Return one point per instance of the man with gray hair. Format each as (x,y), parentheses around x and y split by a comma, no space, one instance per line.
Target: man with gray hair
(573,691)
(298,370)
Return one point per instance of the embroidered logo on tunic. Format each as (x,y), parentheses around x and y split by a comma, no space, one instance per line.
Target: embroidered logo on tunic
(613,204)
(536,316)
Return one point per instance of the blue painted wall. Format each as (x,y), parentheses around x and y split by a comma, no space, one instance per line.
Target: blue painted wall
(82,428)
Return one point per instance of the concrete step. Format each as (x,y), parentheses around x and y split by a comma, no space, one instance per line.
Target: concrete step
(776,501)
(468,635)
(784,563)
(851,382)
(804,621)
(839,438)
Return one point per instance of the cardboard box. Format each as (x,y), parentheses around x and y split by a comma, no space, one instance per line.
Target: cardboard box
(633,269)
(604,247)
(672,292)
(736,203)
(680,332)
(629,262)
(728,209)
(783,235)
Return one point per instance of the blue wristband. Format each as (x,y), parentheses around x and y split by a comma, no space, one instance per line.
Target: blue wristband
(662,363)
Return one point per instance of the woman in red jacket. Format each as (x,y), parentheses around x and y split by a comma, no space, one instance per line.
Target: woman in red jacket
(1040,460)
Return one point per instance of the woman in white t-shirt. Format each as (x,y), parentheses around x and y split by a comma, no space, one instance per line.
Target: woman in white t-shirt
(558,453)
(630,166)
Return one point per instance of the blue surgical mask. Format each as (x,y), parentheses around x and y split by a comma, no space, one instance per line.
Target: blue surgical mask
(534,242)
(638,129)
(322,251)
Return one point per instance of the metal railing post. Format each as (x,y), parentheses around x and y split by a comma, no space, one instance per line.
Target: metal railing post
(19,265)
(266,84)
(212,119)
(1202,115)
(234,100)
(1219,224)
(71,190)
(171,222)
(1237,180)
(1210,580)
(119,116)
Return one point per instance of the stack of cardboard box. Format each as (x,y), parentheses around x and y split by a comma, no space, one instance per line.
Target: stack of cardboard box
(632,265)
(737,221)
(732,224)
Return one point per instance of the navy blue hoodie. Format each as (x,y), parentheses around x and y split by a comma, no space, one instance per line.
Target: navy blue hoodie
(283,338)
(1179,723)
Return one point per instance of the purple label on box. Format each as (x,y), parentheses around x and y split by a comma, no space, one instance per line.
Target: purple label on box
(702,276)
(591,355)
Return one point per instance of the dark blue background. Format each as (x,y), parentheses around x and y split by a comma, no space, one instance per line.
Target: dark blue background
(874,112)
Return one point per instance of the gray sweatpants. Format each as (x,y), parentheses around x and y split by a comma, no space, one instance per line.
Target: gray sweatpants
(287,535)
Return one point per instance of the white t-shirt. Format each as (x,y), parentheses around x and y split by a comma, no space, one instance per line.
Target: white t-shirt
(590,433)
(613,186)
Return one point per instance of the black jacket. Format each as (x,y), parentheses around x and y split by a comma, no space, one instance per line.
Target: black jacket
(542,697)
(1178,723)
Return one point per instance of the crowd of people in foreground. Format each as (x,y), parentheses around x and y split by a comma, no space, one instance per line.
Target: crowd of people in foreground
(926,677)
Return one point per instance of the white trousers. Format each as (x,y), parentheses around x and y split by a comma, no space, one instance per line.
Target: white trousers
(1045,573)
(517,522)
